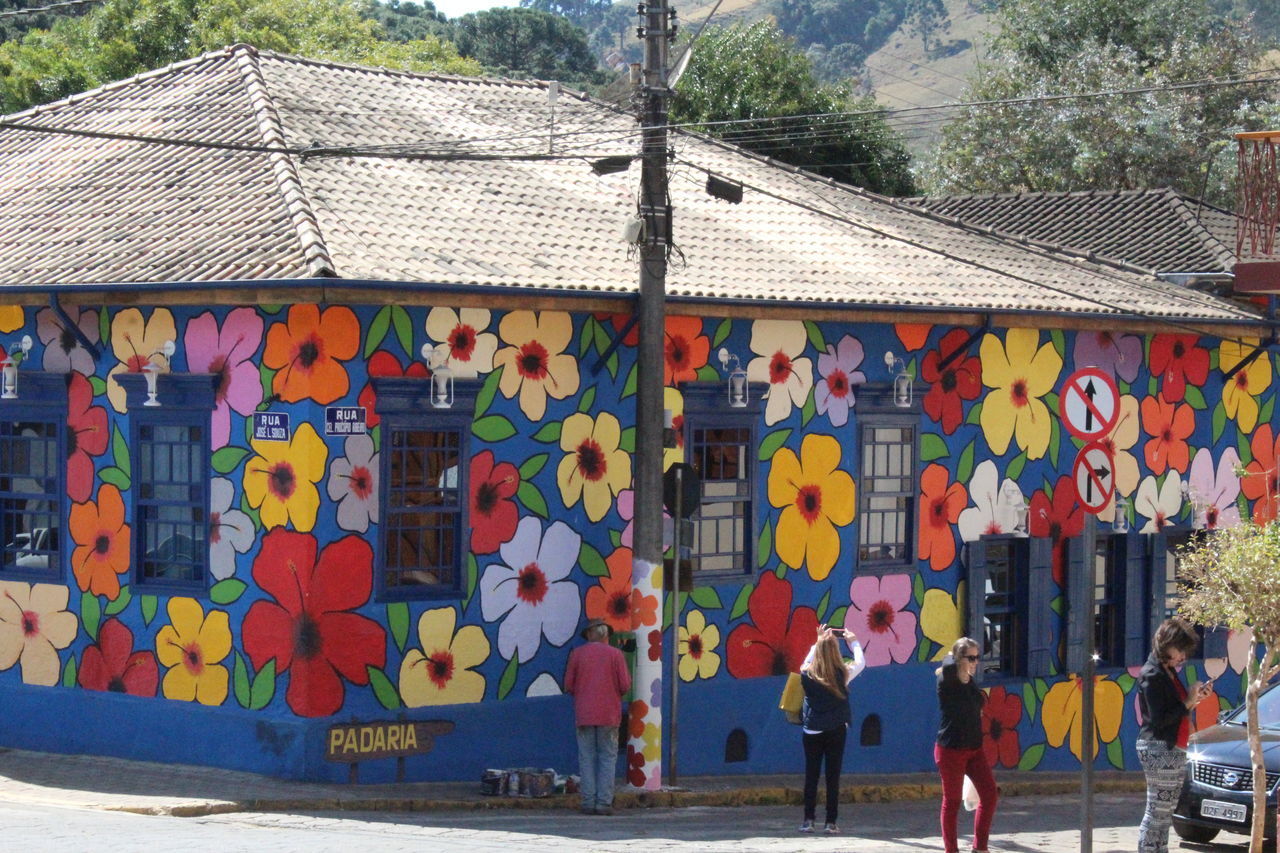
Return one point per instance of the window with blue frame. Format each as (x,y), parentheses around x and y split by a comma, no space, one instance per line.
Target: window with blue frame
(32,461)
(888,462)
(425,451)
(169,450)
(1010,584)
(720,444)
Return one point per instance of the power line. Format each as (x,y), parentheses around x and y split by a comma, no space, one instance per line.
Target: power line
(52,7)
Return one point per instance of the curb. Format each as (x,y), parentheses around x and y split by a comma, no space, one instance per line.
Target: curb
(761,796)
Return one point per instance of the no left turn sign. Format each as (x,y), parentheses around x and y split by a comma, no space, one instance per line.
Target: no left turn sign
(1089,403)
(1094,477)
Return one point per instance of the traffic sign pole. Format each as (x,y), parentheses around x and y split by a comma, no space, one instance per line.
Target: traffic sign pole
(1086,603)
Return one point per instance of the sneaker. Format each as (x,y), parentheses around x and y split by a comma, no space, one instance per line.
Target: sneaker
(586,810)
(604,810)
(831,829)
(807,826)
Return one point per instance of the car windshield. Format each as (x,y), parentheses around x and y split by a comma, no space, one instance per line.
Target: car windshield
(1268,711)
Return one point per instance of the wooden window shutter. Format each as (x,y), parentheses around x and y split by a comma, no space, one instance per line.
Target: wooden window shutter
(1137,598)
(1040,617)
(975,593)
(1079,629)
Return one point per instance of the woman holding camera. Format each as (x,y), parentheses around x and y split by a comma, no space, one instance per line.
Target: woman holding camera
(825,718)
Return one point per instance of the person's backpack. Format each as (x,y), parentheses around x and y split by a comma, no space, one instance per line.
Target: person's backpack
(792,698)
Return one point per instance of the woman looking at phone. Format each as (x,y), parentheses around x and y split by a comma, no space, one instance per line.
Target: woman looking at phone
(958,751)
(1165,705)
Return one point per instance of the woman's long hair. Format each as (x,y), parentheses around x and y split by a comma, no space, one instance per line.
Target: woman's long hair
(827,667)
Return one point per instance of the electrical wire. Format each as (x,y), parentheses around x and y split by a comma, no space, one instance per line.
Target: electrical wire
(52,7)
(1244,317)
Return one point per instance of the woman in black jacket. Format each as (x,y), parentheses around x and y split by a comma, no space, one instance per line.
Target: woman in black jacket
(958,751)
(825,718)
(1165,705)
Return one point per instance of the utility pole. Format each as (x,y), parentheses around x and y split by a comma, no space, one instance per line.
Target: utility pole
(655,213)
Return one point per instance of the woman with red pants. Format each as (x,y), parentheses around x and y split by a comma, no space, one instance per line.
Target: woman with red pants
(958,751)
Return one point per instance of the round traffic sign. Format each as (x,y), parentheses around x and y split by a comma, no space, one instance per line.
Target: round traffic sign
(1094,477)
(1089,403)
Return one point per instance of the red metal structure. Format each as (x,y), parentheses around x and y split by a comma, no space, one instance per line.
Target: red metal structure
(1257,212)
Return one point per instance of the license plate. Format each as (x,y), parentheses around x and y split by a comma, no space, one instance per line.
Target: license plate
(1222,811)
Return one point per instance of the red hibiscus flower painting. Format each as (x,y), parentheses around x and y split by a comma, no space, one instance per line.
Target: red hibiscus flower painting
(778,638)
(1059,519)
(493,512)
(113,666)
(87,436)
(950,387)
(1176,360)
(1000,717)
(309,629)
(383,363)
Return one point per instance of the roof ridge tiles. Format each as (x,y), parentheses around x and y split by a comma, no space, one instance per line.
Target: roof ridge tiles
(297,201)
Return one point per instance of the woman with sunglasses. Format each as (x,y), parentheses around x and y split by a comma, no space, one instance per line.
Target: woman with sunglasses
(958,751)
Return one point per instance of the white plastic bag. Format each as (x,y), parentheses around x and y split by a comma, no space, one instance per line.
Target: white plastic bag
(970,795)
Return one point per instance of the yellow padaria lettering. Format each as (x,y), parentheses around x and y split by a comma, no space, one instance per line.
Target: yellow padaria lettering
(349,743)
(379,739)
(335,740)
(410,736)
(393,738)
(366,739)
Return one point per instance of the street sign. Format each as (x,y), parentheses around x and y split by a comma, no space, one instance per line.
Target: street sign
(1089,403)
(345,420)
(1094,477)
(681,490)
(270,426)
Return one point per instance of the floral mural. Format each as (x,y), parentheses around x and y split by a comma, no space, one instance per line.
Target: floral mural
(298,620)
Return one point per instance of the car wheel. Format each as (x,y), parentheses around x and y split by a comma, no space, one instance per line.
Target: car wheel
(1195,833)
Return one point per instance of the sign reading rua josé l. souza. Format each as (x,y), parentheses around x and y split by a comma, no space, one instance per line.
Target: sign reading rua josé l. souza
(383,739)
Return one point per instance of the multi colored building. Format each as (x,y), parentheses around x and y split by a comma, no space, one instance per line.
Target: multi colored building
(321,448)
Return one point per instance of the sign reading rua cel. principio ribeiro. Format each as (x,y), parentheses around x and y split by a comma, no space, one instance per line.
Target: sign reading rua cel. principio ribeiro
(384,739)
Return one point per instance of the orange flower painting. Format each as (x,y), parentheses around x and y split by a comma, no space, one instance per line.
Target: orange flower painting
(307,352)
(102,543)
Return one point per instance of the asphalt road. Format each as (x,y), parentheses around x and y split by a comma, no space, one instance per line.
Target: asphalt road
(1023,824)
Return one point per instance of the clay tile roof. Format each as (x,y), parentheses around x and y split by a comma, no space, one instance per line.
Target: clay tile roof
(1159,229)
(300,169)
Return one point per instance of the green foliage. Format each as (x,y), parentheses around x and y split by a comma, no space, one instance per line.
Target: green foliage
(1232,577)
(125,37)
(581,13)
(754,77)
(408,21)
(527,43)
(1179,138)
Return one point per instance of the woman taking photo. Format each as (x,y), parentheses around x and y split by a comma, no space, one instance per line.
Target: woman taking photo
(1165,704)
(825,718)
(958,751)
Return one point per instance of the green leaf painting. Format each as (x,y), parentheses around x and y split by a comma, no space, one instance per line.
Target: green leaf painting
(398,621)
(508,678)
(383,689)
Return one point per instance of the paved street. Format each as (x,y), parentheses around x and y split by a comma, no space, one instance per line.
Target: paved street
(1040,824)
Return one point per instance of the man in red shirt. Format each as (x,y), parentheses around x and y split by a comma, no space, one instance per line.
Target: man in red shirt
(597,678)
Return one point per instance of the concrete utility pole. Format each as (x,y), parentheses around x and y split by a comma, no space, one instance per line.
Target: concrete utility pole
(655,213)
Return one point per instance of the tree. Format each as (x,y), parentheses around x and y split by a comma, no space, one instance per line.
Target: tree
(1232,578)
(408,21)
(581,13)
(527,43)
(126,37)
(755,78)
(926,18)
(1167,136)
